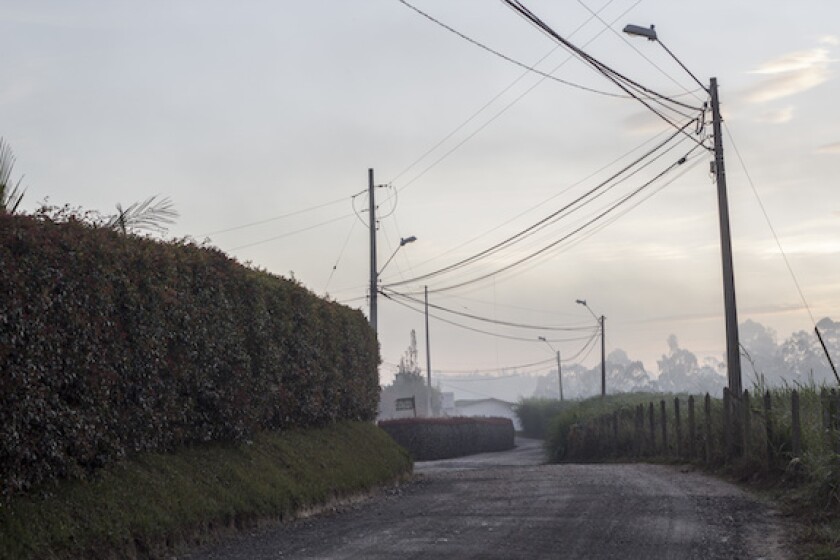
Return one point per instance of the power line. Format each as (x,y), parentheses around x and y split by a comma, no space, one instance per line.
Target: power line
(563,238)
(486,319)
(629,86)
(295,232)
(640,53)
(567,236)
(572,206)
(275,218)
(770,225)
(473,329)
(552,197)
(504,56)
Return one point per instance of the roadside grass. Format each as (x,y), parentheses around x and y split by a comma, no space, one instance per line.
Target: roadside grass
(807,488)
(153,505)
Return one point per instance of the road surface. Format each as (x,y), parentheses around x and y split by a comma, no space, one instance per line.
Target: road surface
(508,506)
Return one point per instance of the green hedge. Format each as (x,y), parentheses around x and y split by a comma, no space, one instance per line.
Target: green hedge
(535,414)
(428,439)
(112,344)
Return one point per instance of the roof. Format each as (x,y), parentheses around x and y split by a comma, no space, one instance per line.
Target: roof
(470,402)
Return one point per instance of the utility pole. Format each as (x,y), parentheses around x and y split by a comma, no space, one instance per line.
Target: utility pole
(428,356)
(733,357)
(373,274)
(603,360)
(559,375)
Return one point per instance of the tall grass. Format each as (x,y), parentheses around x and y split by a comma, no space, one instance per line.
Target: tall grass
(607,429)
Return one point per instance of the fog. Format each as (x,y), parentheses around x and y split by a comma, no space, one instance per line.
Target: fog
(766,360)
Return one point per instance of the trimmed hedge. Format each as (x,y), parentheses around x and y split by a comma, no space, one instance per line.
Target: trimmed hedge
(427,439)
(112,344)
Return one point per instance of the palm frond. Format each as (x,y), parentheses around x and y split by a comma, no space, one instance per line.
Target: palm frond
(149,215)
(11,195)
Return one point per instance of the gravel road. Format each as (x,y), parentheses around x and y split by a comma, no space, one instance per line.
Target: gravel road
(509,505)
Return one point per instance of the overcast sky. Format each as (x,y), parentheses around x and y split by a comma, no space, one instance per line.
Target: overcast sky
(273,112)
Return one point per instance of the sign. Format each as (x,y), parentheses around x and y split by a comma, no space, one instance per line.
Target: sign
(405,404)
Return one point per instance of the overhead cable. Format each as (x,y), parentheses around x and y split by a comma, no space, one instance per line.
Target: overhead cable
(473,329)
(588,223)
(486,319)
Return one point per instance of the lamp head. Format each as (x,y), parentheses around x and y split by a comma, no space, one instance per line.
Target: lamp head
(542,338)
(407,240)
(580,301)
(638,30)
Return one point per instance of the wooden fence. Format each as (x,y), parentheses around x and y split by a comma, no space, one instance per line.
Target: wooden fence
(771,428)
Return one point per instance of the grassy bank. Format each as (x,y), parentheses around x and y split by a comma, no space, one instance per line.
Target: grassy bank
(153,504)
(801,474)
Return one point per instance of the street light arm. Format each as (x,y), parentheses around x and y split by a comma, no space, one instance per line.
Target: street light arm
(683,66)
(651,35)
(583,303)
(403,242)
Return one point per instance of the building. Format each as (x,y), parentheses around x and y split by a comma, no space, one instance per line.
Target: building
(488,407)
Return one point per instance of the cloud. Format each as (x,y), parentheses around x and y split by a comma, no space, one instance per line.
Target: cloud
(830,40)
(778,116)
(790,74)
(833,148)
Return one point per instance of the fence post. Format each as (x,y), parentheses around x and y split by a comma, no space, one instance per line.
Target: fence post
(692,428)
(796,427)
(707,411)
(727,423)
(615,432)
(652,429)
(745,406)
(664,427)
(678,426)
(833,410)
(640,427)
(768,426)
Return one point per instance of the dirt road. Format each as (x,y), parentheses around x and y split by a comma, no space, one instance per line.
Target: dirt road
(508,505)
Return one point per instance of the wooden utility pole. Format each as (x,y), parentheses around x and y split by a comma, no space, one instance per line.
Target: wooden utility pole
(559,375)
(603,360)
(373,274)
(428,356)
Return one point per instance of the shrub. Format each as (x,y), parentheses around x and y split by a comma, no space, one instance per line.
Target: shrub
(112,344)
(442,438)
(536,415)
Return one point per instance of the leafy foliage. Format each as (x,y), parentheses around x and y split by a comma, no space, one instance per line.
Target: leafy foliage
(442,438)
(10,193)
(112,344)
(536,414)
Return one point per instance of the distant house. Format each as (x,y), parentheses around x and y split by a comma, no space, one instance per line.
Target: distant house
(488,407)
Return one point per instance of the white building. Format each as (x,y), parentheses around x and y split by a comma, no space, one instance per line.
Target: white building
(488,407)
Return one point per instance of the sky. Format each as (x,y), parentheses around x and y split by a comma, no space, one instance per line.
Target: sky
(260,120)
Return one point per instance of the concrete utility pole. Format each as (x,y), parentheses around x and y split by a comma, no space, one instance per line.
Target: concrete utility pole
(733,348)
(428,356)
(733,352)
(373,274)
(603,360)
(559,375)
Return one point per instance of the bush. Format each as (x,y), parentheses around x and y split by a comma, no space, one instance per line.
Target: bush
(428,439)
(112,344)
(536,415)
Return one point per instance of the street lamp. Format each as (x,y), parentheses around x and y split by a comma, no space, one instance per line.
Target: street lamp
(600,321)
(733,360)
(559,370)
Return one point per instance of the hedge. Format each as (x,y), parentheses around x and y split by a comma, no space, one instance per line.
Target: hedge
(427,439)
(112,344)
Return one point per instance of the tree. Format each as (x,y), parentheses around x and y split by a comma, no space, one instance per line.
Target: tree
(679,371)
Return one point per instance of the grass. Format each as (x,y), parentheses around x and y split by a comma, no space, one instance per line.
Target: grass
(807,488)
(152,505)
